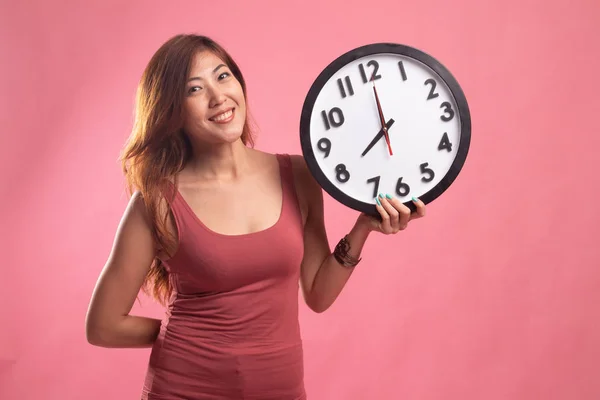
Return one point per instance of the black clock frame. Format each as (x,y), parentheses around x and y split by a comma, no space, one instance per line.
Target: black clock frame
(377,48)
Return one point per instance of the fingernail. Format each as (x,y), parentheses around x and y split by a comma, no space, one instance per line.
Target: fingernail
(388,196)
(381,195)
(415,199)
(377,200)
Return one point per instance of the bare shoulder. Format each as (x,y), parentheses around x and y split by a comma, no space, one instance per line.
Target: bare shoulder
(136,213)
(135,225)
(303,174)
(310,194)
(137,222)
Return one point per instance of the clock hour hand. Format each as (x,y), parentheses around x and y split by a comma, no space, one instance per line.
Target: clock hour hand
(378,136)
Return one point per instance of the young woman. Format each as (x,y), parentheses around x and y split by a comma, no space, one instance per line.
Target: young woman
(223,235)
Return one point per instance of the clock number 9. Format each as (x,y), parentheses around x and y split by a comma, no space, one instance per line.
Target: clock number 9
(447,110)
(402,189)
(334,118)
(325,146)
(342,173)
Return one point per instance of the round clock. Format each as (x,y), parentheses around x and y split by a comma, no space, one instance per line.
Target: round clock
(385,118)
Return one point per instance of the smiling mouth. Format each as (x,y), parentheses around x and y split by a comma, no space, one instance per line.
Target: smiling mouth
(223,118)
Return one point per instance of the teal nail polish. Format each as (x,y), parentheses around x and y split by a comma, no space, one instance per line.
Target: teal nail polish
(388,196)
(381,195)
(377,200)
(415,199)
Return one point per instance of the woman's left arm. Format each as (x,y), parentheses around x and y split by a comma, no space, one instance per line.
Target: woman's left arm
(322,276)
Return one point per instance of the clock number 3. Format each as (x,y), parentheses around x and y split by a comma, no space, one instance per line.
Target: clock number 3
(335,118)
(447,110)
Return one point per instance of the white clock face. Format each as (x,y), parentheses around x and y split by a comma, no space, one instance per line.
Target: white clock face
(424,128)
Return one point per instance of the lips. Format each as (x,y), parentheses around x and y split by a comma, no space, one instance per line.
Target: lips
(223,117)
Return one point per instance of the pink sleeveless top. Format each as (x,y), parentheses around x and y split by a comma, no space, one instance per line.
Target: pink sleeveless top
(231,330)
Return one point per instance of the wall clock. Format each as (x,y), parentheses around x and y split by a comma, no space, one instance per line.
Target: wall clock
(385,118)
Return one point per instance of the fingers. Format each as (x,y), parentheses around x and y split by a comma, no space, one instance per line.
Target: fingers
(420,211)
(403,211)
(389,215)
(394,215)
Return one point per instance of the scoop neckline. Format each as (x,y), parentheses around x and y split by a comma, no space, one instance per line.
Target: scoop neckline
(241,235)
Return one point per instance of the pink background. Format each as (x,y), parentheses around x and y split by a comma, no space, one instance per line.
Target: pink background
(495,295)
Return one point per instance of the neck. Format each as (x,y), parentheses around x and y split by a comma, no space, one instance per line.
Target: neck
(225,161)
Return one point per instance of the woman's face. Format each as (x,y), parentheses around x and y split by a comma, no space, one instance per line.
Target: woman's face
(214,105)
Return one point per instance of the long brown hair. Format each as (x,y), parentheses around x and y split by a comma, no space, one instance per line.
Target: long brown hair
(157,148)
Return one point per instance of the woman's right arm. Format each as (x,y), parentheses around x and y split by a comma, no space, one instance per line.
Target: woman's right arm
(108,323)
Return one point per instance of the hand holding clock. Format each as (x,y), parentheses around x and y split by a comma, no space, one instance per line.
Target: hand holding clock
(394,216)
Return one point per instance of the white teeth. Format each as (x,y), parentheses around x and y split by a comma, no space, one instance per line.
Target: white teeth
(222,117)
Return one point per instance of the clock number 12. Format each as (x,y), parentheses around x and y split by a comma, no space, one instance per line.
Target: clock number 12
(374,75)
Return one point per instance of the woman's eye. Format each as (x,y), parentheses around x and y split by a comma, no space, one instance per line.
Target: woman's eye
(223,75)
(194,89)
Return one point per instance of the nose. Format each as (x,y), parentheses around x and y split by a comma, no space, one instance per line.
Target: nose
(217,96)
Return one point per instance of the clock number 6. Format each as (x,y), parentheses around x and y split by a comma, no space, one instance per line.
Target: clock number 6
(402,189)
(334,118)
(342,173)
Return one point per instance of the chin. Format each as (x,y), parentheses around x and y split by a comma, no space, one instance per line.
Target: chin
(230,134)
(232,138)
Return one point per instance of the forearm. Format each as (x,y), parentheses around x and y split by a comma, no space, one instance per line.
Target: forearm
(332,276)
(130,331)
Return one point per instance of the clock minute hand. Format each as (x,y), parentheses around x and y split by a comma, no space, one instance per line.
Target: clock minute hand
(382,119)
(379,135)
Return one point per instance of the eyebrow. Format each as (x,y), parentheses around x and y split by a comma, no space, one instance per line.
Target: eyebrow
(214,70)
